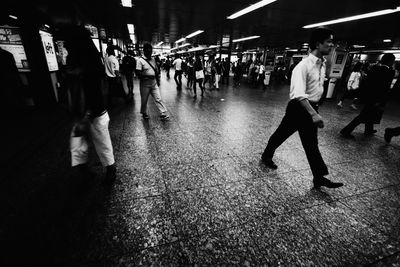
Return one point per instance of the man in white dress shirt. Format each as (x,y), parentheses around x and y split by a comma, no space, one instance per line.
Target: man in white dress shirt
(306,89)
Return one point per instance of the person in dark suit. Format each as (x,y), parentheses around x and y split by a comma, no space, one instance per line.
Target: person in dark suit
(374,95)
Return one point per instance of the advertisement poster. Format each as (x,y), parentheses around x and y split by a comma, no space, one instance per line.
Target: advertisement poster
(49,50)
(10,40)
(338,62)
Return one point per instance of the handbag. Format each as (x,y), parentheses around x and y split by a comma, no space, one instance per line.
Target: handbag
(199,74)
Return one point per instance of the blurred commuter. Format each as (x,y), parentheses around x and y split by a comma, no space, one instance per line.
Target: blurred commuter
(84,67)
(167,67)
(208,65)
(306,89)
(127,69)
(353,86)
(374,95)
(238,72)
(178,72)
(111,65)
(10,82)
(191,79)
(225,71)
(149,75)
(199,75)
(218,72)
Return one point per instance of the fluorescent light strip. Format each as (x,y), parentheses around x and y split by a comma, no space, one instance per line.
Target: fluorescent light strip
(180,40)
(131,28)
(126,3)
(246,38)
(358,46)
(377,51)
(250,8)
(12,16)
(357,17)
(194,34)
(387,41)
(184,45)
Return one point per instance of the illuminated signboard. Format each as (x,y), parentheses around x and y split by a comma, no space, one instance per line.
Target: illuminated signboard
(10,40)
(49,50)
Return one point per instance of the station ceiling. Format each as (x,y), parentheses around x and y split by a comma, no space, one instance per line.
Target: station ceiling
(279,24)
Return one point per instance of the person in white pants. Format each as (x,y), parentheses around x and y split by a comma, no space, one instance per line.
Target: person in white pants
(85,68)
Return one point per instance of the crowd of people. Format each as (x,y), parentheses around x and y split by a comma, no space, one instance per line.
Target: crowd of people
(85,66)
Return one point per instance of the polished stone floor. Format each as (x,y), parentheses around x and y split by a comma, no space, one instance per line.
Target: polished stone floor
(192,191)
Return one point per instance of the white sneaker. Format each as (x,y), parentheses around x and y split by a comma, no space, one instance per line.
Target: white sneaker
(353,106)
(340,104)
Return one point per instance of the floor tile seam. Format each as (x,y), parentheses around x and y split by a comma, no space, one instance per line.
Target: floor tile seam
(367,192)
(368,221)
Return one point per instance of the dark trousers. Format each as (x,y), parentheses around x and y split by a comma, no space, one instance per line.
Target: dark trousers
(298,119)
(129,82)
(369,127)
(178,78)
(225,77)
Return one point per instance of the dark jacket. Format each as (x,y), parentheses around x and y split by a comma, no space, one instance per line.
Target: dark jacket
(375,93)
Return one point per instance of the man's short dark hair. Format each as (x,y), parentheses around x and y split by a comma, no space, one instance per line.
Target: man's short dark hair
(110,50)
(147,46)
(319,35)
(388,59)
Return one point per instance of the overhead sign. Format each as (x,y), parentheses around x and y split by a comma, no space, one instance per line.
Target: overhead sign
(49,50)
(10,40)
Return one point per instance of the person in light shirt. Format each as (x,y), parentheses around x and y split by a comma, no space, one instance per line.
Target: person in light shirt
(306,89)
(353,86)
(111,65)
(178,72)
(149,75)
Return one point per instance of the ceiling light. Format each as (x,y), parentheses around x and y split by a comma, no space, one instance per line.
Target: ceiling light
(250,8)
(180,40)
(194,34)
(287,48)
(131,28)
(126,3)
(357,17)
(387,41)
(213,46)
(47,26)
(358,46)
(160,43)
(246,38)
(12,16)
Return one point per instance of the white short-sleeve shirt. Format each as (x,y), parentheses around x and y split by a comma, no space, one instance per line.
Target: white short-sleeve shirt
(111,65)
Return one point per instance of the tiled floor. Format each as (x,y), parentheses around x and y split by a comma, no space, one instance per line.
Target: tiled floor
(192,191)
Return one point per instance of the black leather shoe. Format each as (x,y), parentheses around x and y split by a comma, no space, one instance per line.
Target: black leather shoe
(325,182)
(346,135)
(269,163)
(387,136)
